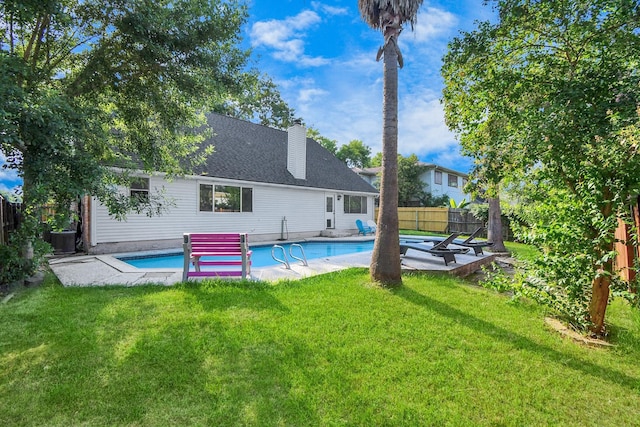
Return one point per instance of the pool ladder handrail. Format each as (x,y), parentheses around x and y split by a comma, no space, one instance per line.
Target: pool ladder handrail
(303,260)
(285,259)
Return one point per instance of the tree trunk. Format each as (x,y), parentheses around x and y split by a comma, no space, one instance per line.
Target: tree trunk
(600,293)
(385,260)
(494,227)
(599,301)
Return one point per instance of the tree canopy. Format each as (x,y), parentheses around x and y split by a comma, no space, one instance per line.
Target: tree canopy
(355,154)
(330,144)
(550,96)
(88,85)
(410,186)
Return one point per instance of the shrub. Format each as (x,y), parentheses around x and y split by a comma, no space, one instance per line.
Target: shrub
(15,265)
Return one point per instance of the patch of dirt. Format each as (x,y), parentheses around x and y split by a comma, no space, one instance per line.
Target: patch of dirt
(565,331)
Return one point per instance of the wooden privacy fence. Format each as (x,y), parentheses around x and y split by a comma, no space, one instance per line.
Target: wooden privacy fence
(423,219)
(463,222)
(445,220)
(9,219)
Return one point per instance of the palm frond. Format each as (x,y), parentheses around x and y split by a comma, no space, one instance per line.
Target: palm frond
(405,10)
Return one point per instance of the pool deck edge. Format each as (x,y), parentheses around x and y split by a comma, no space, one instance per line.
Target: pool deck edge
(104,270)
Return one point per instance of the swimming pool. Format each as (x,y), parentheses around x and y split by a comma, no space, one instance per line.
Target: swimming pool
(261,256)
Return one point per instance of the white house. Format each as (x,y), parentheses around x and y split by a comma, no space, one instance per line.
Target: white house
(270,183)
(437,179)
(440,180)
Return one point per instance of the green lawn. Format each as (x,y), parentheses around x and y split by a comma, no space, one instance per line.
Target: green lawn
(327,350)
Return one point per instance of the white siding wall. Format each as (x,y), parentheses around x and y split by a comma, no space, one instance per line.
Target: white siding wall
(304,210)
(347,221)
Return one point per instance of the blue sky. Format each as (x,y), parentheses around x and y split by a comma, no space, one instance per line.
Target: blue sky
(322,57)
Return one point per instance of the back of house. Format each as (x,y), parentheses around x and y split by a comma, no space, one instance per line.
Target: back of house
(269,183)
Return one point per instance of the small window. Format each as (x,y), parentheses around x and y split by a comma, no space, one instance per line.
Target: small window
(247,199)
(140,189)
(437,177)
(355,204)
(329,204)
(453,180)
(206,198)
(464,182)
(225,198)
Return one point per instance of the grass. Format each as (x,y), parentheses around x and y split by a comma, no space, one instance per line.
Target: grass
(326,350)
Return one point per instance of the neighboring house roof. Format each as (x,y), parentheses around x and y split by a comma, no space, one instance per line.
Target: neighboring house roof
(367,171)
(250,152)
(376,170)
(440,168)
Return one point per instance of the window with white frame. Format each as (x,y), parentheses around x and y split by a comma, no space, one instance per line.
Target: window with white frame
(437,177)
(139,189)
(355,204)
(206,198)
(225,198)
(453,180)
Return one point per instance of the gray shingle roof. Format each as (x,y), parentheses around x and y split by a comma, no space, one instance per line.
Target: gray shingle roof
(250,152)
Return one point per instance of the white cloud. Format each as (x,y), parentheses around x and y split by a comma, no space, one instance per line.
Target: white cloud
(310,95)
(286,37)
(421,125)
(432,23)
(329,10)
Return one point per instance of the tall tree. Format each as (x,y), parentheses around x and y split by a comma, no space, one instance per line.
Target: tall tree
(330,144)
(376,161)
(389,16)
(86,85)
(555,86)
(258,101)
(355,154)
(410,186)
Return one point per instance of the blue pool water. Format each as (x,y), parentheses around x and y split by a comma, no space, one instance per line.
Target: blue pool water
(261,256)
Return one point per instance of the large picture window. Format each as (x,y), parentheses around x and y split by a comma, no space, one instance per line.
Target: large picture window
(355,204)
(225,198)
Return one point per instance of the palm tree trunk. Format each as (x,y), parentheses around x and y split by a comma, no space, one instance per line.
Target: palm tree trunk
(385,261)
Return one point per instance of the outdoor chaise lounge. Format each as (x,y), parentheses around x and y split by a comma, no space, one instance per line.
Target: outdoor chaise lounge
(363,229)
(468,242)
(438,249)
